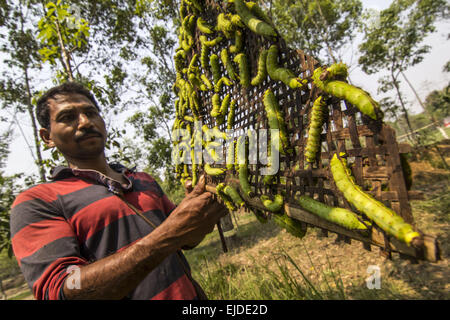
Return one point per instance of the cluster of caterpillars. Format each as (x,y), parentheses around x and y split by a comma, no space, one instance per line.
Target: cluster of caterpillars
(212,55)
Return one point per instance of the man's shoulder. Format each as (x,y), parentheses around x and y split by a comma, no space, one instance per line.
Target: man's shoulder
(46,191)
(143,175)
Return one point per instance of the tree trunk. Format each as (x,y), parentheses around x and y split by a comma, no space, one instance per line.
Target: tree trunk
(64,53)
(40,163)
(432,118)
(327,36)
(405,111)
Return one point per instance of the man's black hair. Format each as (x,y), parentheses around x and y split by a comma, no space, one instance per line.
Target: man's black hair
(42,107)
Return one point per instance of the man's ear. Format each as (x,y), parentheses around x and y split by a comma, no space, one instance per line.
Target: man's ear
(45,136)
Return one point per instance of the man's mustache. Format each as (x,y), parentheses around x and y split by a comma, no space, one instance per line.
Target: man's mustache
(88,133)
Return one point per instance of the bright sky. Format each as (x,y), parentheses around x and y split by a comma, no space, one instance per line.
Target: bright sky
(425,77)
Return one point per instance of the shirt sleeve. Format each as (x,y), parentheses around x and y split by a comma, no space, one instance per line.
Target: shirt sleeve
(43,242)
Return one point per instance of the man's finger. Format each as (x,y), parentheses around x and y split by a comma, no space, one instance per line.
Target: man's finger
(187,187)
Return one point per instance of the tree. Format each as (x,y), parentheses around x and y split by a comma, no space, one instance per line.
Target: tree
(22,59)
(437,103)
(395,44)
(320,27)
(62,34)
(159,19)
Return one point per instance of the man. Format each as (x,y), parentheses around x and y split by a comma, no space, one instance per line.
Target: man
(83,223)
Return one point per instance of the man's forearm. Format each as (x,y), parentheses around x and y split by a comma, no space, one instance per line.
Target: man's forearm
(113,277)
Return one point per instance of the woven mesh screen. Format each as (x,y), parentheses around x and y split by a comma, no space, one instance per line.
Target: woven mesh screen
(370,145)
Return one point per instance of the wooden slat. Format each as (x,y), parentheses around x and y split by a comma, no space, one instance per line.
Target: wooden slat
(397,180)
(430,250)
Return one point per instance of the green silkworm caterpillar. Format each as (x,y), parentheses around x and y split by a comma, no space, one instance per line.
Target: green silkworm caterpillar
(225,105)
(281,74)
(214,132)
(191,24)
(224,25)
(186,44)
(275,205)
(243,181)
(238,42)
(276,119)
(206,81)
(244,72)
(239,158)
(215,67)
(206,132)
(262,70)
(217,133)
(213,171)
(212,151)
(222,81)
(226,200)
(315,128)
(234,195)
(177,107)
(254,24)
(193,5)
(237,21)
(230,153)
(257,11)
(343,217)
(195,105)
(227,63)
(194,168)
(197,4)
(354,95)
(204,56)
(192,65)
(230,117)
(383,216)
(337,70)
(215,112)
(268,179)
(242,168)
(183,11)
(210,43)
(292,226)
(203,26)
(179,59)
(195,82)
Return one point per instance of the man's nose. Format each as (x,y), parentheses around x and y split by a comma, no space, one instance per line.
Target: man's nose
(83,121)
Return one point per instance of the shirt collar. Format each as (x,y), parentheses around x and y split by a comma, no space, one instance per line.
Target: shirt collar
(62,172)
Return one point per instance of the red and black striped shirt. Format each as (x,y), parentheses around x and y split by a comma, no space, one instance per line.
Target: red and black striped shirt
(76,219)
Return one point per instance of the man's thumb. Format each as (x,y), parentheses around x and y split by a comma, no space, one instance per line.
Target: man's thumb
(199,187)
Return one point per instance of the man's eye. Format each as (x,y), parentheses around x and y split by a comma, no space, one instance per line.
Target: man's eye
(67,117)
(91,113)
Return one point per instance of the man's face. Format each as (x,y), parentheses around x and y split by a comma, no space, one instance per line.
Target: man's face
(76,128)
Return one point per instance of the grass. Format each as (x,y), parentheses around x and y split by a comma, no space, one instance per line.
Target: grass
(20,296)
(266,263)
(271,273)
